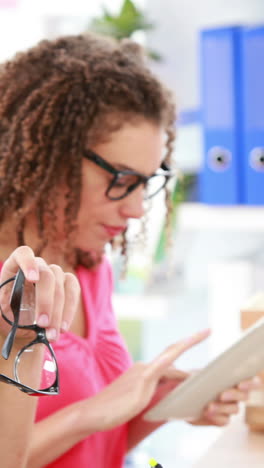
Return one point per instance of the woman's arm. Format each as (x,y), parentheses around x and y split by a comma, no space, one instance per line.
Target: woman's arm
(58,433)
(17,409)
(113,406)
(138,427)
(17,412)
(116,404)
(216,413)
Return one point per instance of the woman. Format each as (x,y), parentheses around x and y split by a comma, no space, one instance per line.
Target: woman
(17,409)
(87,132)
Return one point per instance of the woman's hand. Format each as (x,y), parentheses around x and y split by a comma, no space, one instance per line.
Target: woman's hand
(139,428)
(55,299)
(219,411)
(132,392)
(56,293)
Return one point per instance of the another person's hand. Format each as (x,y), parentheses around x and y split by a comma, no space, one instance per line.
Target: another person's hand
(56,293)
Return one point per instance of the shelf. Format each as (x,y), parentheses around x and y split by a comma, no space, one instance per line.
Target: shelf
(139,306)
(232,218)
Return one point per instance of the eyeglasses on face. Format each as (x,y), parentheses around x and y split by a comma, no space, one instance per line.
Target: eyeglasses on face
(17,305)
(125,181)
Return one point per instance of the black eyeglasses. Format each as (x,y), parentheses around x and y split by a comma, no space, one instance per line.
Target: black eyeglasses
(125,181)
(17,304)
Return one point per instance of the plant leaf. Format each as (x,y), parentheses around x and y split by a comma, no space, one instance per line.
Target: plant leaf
(129,20)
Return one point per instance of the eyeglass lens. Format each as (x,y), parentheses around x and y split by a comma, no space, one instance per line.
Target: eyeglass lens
(27,306)
(27,357)
(125,183)
(30,353)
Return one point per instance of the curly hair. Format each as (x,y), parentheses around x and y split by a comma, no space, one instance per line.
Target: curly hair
(55,99)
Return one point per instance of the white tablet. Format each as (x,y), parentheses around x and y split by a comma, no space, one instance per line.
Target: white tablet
(242,360)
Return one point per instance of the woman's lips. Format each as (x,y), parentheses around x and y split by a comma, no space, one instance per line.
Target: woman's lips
(113,231)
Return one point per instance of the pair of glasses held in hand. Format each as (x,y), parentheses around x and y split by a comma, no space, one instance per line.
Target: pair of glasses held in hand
(17,304)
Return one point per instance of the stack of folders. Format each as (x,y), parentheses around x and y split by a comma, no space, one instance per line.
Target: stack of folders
(232,100)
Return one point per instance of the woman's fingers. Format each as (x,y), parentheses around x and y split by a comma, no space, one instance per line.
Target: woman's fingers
(219,414)
(251,384)
(219,411)
(58,303)
(174,374)
(72,298)
(232,395)
(57,297)
(167,357)
(45,292)
(23,257)
(56,293)
(219,419)
(216,408)
(241,391)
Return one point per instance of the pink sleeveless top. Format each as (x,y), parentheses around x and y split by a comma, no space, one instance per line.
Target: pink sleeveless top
(86,365)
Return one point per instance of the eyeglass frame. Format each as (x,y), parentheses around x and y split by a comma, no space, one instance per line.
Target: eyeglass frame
(15,302)
(101,162)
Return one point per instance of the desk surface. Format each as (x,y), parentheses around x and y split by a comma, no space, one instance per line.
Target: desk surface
(236,447)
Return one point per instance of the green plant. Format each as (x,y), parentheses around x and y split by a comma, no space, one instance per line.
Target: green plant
(131,330)
(126,23)
(182,191)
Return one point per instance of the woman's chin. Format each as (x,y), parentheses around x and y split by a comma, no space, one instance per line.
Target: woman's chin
(89,258)
(95,247)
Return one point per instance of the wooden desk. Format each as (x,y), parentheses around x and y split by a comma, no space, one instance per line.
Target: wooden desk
(236,447)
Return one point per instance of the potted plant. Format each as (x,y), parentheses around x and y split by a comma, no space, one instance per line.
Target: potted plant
(126,23)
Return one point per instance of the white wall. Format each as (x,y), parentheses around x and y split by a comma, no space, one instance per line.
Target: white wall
(178,23)
(32,20)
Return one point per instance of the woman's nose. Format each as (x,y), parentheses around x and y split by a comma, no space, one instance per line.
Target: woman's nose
(132,206)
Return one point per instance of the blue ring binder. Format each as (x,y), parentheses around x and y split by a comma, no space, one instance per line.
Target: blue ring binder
(252,44)
(221,116)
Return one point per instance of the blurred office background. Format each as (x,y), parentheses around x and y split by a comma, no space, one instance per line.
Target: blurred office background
(216,259)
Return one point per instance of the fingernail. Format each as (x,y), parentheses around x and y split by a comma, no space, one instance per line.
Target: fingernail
(197,336)
(43,320)
(212,409)
(244,386)
(228,396)
(254,383)
(257,381)
(32,275)
(64,326)
(51,334)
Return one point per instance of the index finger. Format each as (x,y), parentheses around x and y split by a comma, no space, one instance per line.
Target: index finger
(23,257)
(250,384)
(167,357)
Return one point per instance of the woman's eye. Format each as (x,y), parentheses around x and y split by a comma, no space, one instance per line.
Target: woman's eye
(121,182)
(126,180)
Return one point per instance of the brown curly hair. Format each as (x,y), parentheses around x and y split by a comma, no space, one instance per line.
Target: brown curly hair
(55,99)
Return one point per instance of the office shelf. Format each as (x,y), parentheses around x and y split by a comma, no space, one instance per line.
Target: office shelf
(212,217)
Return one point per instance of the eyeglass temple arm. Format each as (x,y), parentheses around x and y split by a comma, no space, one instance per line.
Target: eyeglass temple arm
(15,303)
